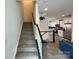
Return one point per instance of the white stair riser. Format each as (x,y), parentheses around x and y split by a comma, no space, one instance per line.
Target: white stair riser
(31,57)
(27,49)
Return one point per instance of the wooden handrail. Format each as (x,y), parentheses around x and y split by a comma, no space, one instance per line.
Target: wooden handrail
(46,31)
(38,50)
(39,35)
(37,28)
(33,19)
(39,32)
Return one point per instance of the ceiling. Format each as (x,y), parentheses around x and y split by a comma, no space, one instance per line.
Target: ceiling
(56,8)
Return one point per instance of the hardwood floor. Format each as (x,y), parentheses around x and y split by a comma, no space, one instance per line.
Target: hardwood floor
(52,51)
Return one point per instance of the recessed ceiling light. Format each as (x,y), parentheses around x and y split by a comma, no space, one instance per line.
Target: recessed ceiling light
(45,9)
(63,15)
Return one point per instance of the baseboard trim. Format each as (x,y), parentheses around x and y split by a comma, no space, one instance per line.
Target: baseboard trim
(18,41)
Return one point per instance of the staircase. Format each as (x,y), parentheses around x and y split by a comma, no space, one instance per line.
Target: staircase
(27,44)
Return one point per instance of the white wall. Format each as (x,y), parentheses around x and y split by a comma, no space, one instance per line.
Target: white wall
(27,10)
(37,36)
(12,27)
(44,24)
(44,27)
(53,22)
(37,14)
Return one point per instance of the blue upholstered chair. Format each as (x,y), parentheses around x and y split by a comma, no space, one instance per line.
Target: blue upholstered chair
(66,47)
